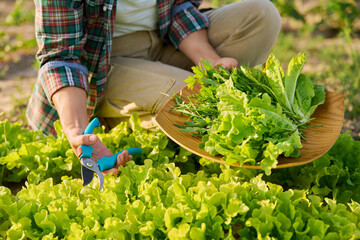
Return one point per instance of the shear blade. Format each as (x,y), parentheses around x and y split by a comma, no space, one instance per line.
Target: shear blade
(86,175)
(101,180)
(91,166)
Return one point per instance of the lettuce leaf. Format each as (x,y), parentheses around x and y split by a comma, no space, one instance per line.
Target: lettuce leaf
(257,115)
(292,74)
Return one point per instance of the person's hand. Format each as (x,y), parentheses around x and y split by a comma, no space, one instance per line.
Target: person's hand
(196,46)
(76,138)
(70,103)
(225,62)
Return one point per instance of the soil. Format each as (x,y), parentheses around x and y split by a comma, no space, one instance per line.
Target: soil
(18,73)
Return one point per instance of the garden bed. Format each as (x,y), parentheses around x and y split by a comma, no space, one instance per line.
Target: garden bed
(167,192)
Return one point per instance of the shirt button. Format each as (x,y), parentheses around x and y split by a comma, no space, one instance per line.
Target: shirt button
(104,8)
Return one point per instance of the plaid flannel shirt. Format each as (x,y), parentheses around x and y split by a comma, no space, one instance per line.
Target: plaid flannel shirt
(74,39)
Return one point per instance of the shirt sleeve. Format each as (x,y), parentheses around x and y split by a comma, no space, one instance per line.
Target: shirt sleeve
(60,36)
(186,18)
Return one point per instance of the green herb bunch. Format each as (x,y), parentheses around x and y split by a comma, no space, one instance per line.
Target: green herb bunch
(251,115)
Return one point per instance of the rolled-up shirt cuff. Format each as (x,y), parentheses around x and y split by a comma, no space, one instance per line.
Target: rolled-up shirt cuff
(55,64)
(58,74)
(181,7)
(184,22)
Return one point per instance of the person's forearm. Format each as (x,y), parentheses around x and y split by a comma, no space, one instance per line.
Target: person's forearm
(70,103)
(197,47)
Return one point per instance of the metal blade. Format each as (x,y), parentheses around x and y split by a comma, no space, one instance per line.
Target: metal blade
(101,179)
(86,175)
(91,165)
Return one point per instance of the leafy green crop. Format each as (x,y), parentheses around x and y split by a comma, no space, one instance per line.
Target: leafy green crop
(250,115)
(335,175)
(167,194)
(32,156)
(29,155)
(147,202)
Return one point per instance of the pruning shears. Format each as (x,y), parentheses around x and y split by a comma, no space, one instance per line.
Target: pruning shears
(89,166)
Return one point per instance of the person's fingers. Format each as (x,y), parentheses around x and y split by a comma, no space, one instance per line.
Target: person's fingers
(228,63)
(77,140)
(123,158)
(110,172)
(234,63)
(87,139)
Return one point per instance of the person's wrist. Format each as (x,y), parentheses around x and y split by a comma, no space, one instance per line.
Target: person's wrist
(74,128)
(73,131)
(71,134)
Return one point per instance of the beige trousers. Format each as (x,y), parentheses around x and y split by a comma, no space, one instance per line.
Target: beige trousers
(145,72)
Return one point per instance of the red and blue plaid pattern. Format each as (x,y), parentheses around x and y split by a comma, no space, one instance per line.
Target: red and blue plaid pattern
(76,36)
(175,28)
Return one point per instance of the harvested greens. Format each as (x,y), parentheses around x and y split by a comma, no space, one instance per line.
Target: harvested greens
(251,115)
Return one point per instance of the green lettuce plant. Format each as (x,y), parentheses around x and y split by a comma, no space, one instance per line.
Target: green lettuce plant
(251,115)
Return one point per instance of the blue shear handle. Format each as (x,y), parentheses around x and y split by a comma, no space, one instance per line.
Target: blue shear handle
(92,125)
(109,162)
(87,149)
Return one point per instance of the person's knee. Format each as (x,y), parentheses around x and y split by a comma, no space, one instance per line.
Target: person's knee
(267,13)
